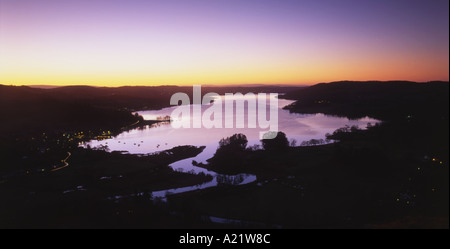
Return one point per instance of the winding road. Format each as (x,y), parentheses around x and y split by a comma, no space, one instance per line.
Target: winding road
(66,164)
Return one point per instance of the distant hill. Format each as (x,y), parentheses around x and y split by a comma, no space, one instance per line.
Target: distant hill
(385,100)
(25,108)
(129,97)
(43,86)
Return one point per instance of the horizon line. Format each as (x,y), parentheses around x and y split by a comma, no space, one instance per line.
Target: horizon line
(49,86)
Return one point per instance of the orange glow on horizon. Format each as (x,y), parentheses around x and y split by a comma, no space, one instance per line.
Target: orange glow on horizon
(293,71)
(213,43)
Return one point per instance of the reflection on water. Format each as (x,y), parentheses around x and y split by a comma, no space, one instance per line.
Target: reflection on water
(218,180)
(229,180)
(161,136)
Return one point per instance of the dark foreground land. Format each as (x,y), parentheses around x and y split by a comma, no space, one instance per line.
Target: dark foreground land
(392,175)
(84,194)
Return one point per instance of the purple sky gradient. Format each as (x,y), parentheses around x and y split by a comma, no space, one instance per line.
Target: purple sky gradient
(118,42)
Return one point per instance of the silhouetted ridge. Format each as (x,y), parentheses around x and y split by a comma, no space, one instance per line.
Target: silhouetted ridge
(385,100)
(24,108)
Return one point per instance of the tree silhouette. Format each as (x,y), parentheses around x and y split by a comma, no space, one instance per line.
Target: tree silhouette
(231,149)
(235,142)
(279,143)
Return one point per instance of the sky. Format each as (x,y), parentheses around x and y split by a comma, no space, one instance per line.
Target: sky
(185,42)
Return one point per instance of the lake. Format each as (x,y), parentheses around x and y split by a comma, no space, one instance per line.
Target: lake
(162,136)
